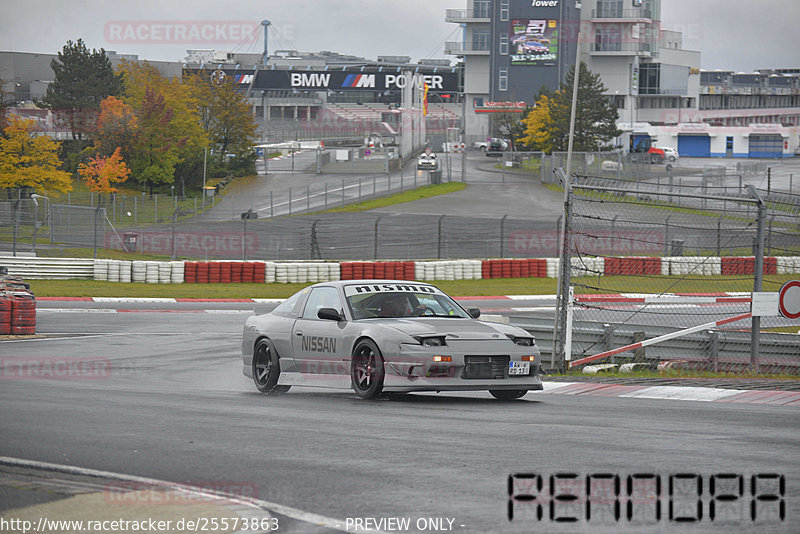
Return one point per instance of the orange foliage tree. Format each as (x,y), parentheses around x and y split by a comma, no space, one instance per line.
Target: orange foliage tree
(101,173)
(117,127)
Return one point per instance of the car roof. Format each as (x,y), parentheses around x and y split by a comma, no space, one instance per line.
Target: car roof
(342,283)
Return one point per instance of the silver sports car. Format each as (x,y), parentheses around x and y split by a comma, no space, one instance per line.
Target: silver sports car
(386,336)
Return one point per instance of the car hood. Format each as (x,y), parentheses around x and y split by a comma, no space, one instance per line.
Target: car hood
(463,329)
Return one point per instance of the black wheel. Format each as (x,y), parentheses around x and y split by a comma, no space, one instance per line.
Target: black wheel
(267,369)
(672,158)
(654,158)
(507,394)
(366,370)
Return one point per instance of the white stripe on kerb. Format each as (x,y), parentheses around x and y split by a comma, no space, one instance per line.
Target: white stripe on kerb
(683,393)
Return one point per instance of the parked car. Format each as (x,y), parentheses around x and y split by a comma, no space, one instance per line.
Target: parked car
(483,145)
(670,153)
(496,148)
(610,166)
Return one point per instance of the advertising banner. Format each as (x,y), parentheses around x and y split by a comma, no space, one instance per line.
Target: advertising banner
(443,80)
(533,42)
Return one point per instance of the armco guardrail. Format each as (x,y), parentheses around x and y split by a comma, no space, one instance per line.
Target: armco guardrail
(54,268)
(715,349)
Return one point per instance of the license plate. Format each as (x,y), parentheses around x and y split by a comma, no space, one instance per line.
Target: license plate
(519,368)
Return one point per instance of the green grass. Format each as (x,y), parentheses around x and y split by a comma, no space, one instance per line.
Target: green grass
(456,288)
(406,196)
(96,288)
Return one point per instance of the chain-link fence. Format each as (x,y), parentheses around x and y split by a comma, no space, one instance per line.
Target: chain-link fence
(81,226)
(350,236)
(679,261)
(19,225)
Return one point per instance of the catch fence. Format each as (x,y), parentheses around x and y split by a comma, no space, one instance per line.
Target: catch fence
(626,248)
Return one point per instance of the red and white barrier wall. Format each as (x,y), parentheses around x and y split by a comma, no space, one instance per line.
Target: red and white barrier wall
(209,272)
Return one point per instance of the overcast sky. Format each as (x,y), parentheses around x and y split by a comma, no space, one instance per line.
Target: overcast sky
(740,35)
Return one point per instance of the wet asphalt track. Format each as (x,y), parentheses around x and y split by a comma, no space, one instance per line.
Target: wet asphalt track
(175,407)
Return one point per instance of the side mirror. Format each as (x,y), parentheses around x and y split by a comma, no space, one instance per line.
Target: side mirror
(329,314)
(474,313)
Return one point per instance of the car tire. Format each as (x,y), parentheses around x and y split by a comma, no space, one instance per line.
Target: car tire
(267,368)
(654,158)
(367,370)
(672,158)
(507,394)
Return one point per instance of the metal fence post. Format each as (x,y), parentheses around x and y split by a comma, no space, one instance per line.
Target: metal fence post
(613,232)
(155,214)
(667,252)
(755,333)
(375,240)
(94,239)
(290,201)
(559,355)
(713,349)
(439,240)
(638,354)
(502,233)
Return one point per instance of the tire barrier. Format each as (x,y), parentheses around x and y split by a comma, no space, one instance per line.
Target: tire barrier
(218,272)
(529,268)
(5,315)
(632,266)
(747,265)
(394,270)
(177,272)
(23,315)
(17,307)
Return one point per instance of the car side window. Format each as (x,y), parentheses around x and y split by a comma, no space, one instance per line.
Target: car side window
(322,297)
(291,306)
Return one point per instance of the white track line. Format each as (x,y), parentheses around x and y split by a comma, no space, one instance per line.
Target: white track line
(288,511)
(692,393)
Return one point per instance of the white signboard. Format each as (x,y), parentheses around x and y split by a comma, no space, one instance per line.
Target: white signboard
(764,304)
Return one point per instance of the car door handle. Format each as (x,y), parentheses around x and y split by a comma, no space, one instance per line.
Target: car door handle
(298,333)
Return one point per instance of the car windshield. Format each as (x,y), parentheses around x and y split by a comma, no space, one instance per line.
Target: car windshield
(417,301)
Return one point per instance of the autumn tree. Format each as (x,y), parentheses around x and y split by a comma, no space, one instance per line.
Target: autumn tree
(102,173)
(117,127)
(29,160)
(547,126)
(168,123)
(225,116)
(82,80)
(537,124)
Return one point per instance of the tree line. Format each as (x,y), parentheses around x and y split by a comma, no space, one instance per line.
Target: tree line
(130,124)
(544,127)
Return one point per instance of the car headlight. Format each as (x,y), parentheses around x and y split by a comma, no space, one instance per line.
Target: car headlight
(433,341)
(524,341)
